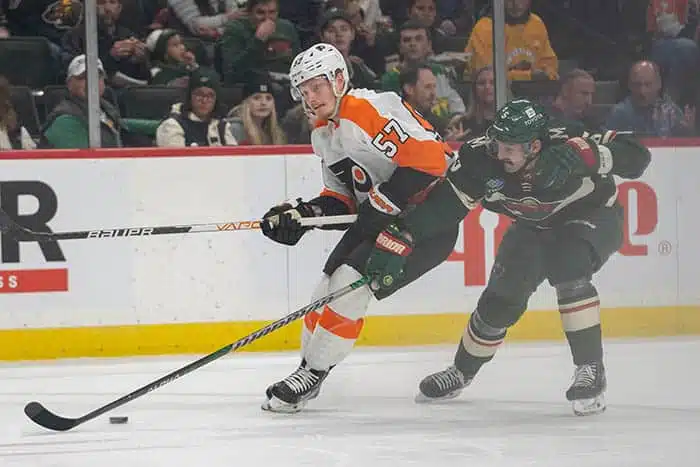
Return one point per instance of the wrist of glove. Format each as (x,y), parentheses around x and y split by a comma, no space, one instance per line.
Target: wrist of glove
(575,158)
(375,214)
(387,260)
(281,223)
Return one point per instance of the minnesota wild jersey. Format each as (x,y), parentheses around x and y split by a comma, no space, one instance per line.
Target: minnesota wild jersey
(476,176)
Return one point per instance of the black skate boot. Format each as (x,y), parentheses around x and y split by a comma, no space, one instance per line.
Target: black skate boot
(292,393)
(586,392)
(443,385)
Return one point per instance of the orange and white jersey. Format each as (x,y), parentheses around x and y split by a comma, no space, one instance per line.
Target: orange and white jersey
(373,134)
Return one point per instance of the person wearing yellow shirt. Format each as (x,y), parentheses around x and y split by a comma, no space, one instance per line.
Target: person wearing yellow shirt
(529,54)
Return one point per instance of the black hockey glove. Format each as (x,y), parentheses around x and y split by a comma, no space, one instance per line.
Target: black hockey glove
(281,223)
(388,257)
(371,221)
(576,158)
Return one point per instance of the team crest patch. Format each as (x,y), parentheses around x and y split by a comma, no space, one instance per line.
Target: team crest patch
(494,184)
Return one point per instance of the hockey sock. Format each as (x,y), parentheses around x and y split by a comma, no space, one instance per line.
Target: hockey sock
(478,345)
(338,325)
(580,317)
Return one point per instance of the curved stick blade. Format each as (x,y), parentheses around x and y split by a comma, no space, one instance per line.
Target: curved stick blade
(44,417)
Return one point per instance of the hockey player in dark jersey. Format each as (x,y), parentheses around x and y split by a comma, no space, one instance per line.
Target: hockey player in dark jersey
(556,183)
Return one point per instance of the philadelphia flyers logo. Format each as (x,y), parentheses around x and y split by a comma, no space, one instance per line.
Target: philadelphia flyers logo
(353,175)
(359,175)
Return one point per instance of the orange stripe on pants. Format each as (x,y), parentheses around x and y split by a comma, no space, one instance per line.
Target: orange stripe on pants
(311,319)
(340,325)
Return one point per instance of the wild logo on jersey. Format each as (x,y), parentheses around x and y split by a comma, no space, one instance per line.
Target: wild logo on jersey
(532,208)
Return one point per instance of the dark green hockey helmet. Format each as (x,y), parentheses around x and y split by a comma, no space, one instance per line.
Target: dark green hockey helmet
(519,121)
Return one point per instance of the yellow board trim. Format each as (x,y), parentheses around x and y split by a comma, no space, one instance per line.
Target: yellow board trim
(404,330)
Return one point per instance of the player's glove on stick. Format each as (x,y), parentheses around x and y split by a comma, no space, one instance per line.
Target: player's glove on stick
(577,157)
(387,260)
(281,223)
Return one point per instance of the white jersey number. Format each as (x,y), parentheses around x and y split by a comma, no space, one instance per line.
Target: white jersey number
(389,148)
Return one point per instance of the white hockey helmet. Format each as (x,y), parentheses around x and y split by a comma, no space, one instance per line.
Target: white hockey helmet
(318,60)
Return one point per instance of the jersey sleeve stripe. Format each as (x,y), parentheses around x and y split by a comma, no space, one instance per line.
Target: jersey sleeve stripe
(345,199)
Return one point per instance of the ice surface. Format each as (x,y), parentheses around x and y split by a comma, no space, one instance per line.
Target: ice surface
(515,413)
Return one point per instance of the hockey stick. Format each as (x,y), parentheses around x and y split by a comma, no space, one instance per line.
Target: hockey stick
(168,229)
(44,417)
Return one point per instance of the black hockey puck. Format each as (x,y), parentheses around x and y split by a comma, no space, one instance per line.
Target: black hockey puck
(118,420)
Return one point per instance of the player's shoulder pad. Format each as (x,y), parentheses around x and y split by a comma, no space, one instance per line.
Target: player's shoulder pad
(363,106)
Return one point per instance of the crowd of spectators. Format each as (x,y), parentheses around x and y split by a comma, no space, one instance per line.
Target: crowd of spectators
(177,73)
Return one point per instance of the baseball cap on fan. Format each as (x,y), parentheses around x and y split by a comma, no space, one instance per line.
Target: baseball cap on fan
(78,66)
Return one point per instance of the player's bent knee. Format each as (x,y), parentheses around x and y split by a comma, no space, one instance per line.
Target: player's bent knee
(351,306)
(579,304)
(577,288)
(498,311)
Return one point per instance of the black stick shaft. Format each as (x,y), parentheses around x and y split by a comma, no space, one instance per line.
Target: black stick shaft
(120,232)
(42,416)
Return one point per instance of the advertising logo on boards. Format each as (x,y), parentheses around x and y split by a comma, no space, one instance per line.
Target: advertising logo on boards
(30,280)
(641,220)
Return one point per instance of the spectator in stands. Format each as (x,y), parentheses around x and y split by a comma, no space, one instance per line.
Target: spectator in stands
(337,29)
(424,13)
(674,25)
(419,89)
(305,15)
(12,134)
(171,62)
(529,53)
(67,125)
(205,19)
(125,57)
(481,111)
(575,98)
(371,12)
(45,18)
(138,15)
(4,32)
(415,47)
(364,45)
(259,42)
(648,111)
(254,121)
(199,120)
(297,125)
(460,13)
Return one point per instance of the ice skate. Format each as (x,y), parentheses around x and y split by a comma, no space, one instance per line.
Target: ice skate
(292,393)
(587,391)
(443,385)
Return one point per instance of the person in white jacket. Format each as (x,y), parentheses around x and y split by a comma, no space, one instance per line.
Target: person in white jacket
(197,121)
(12,134)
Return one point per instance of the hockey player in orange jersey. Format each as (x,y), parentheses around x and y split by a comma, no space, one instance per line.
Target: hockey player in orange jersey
(378,157)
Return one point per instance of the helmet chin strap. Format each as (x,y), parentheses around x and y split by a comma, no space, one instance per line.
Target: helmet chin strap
(338,97)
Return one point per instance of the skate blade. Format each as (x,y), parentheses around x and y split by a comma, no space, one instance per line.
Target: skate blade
(593,406)
(423,399)
(277,406)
